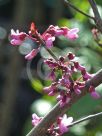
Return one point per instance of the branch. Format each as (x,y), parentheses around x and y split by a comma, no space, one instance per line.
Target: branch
(98,20)
(85,118)
(75,8)
(51,117)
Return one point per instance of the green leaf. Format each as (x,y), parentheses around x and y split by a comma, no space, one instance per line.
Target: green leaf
(37,85)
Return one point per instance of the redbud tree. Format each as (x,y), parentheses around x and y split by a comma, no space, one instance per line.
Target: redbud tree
(65,87)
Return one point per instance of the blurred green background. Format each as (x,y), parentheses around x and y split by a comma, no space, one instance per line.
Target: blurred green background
(22,82)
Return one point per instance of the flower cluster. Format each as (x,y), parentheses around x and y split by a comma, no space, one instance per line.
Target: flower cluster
(57,129)
(47,38)
(64,86)
(67,85)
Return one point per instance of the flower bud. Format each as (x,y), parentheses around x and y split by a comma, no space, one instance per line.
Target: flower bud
(71,56)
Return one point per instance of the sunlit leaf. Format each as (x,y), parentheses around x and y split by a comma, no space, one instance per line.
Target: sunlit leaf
(37,85)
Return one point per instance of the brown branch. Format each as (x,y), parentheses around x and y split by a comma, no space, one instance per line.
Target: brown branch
(50,118)
(75,8)
(98,20)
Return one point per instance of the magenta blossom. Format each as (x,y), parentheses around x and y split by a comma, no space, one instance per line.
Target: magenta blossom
(17,37)
(56,129)
(64,123)
(55,31)
(63,31)
(63,99)
(51,90)
(52,75)
(49,39)
(32,54)
(35,119)
(93,92)
(72,34)
(71,56)
(77,89)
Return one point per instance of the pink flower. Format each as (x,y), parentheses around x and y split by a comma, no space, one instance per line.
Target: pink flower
(51,90)
(86,76)
(63,99)
(93,93)
(72,34)
(35,119)
(52,75)
(77,89)
(55,30)
(32,54)
(71,56)
(17,37)
(68,33)
(51,63)
(64,123)
(49,39)
(78,66)
(64,81)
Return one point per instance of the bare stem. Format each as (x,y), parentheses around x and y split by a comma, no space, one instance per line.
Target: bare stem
(85,118)
(75,8)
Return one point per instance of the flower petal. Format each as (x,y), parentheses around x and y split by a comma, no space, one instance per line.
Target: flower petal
(32,54)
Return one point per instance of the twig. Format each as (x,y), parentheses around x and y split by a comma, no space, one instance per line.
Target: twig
(75,8)
(85,118)
(50,118)
(43,43)
(98,20)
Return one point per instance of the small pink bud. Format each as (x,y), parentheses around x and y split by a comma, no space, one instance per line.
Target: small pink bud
(52,75)
(86,76)
(76,89)
(61,59)
(49,39)
(71,56)
(93,93)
